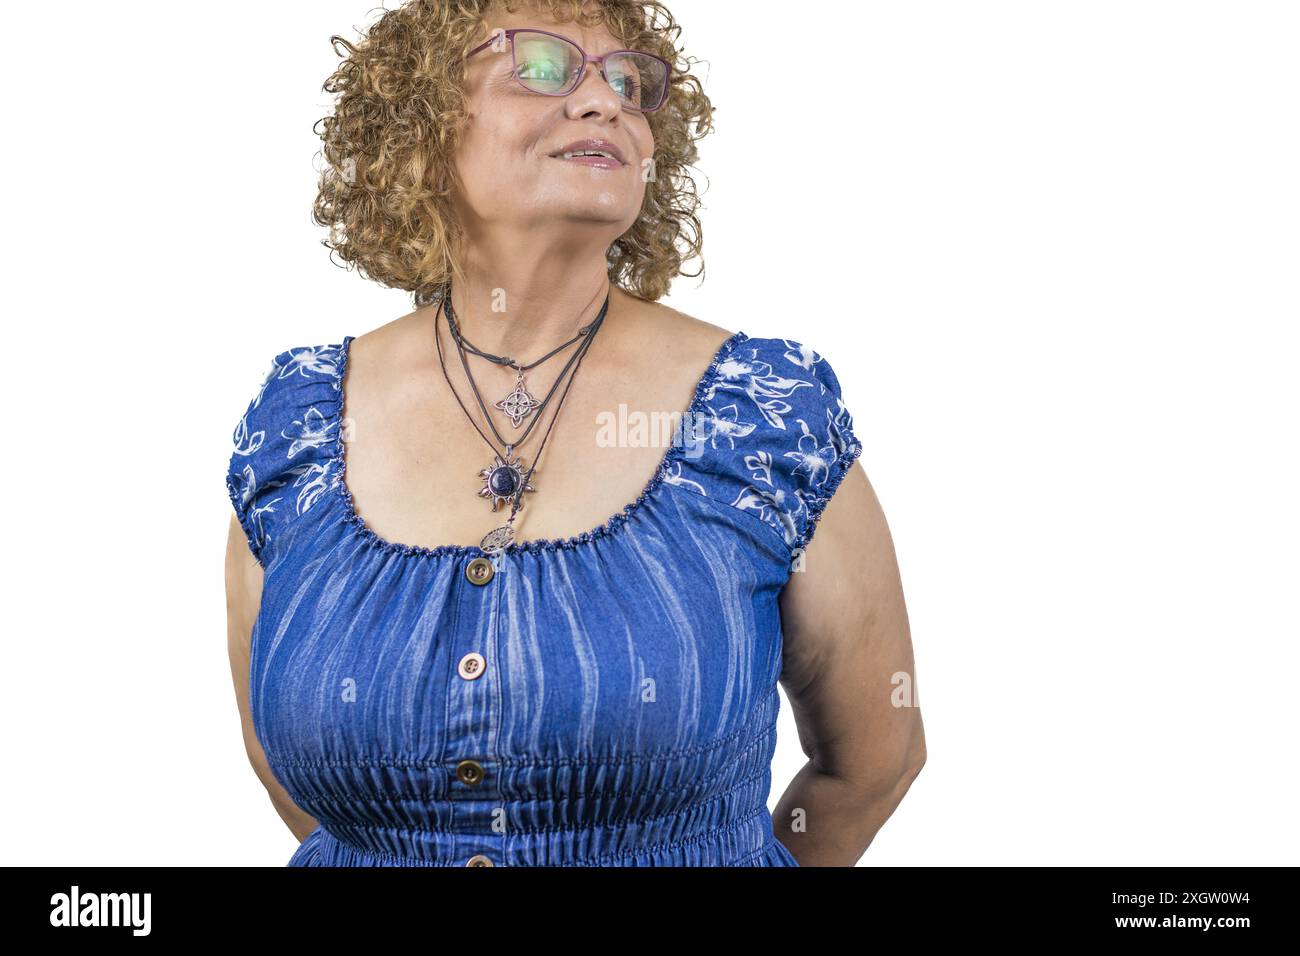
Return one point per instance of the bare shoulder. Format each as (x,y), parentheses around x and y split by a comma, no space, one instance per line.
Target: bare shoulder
(383,348)
(668,335)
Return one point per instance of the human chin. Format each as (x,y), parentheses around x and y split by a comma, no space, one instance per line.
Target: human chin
(604,205)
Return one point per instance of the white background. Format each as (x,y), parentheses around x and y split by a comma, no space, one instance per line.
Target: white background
(1050,249)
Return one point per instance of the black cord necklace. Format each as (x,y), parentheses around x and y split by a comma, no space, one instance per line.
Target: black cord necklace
(463,345)
(505,478)
(520,402)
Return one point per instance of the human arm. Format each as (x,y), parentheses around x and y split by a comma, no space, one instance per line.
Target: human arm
(849,673)
(243,598)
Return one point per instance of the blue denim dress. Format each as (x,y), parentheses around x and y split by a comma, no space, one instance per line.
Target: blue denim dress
(608,699)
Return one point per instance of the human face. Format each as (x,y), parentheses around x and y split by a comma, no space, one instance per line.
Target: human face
(509,160)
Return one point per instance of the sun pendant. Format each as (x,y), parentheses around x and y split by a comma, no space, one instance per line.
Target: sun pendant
(502,481)
(519,403)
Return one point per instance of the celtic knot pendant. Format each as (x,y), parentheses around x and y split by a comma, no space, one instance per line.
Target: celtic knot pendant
(519,404)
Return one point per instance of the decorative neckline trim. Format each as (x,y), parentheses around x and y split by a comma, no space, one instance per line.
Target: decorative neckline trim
(616,522)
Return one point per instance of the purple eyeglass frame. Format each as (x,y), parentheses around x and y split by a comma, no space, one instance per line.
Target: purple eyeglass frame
(509,35)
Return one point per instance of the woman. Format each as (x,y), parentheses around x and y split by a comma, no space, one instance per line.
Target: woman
(474,620)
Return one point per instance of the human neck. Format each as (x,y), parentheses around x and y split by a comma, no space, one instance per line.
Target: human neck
(524,307)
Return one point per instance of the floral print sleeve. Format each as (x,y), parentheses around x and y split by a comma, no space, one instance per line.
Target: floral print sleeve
(279,464)
(777,437)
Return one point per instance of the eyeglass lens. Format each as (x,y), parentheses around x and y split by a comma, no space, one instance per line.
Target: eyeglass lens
(547,64)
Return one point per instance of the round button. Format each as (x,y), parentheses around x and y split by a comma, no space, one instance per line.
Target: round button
(471,666)
(479,859)
(469,772)
(480,571)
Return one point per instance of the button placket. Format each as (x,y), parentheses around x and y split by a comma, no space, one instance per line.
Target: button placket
(473,716)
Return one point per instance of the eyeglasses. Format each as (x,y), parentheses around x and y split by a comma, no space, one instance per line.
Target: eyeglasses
(553,65)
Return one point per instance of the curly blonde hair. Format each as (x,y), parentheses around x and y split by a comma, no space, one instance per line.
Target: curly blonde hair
(387,180)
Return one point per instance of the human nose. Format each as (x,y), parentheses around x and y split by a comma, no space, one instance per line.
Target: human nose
(593,94)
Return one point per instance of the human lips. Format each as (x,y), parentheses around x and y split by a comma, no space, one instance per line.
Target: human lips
(592,152)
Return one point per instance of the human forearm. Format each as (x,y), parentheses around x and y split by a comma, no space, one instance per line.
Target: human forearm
(827,820)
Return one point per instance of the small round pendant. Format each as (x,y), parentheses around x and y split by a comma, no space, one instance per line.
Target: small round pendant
(498,539)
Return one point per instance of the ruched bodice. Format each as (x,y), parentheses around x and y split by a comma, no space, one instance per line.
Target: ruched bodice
(608,699)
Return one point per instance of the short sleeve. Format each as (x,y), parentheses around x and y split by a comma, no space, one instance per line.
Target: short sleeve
(826,451)
(282,444)
(782,436)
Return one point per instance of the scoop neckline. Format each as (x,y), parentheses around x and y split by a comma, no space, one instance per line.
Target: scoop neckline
(612,524)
